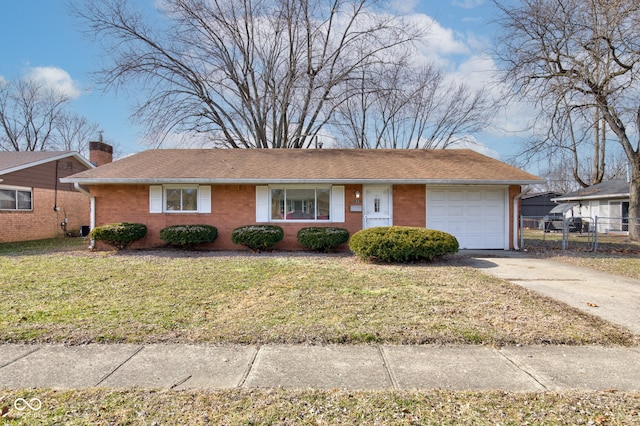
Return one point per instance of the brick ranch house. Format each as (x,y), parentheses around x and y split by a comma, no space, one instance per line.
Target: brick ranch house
(462,192)
(33,203)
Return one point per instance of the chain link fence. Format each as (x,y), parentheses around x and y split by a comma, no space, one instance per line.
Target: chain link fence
(604,234)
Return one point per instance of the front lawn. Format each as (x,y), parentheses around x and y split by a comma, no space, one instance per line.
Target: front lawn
(169,296)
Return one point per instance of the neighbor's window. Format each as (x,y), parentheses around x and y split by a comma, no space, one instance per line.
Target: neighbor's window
(182,199)
(16,199)
(303,204)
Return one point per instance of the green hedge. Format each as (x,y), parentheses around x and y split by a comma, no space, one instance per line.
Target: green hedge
(257,237)
(188,236)
(119,235)
(402,244)
(322,238)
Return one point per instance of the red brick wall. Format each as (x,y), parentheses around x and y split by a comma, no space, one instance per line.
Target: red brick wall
(231,206)
(235,205)
(409,205)
(43,222)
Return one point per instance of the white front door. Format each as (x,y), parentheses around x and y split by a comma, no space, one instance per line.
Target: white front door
(377,206)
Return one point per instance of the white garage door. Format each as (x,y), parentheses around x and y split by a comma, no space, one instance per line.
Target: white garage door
(477,217)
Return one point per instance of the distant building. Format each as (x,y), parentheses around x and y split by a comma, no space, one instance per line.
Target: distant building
(608,201)
(34,204)
(538,205)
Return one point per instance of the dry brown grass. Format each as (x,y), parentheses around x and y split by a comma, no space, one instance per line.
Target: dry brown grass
(309,407)
(143,297)
(616,254)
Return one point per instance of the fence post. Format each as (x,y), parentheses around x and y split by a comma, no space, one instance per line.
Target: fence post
(565,233)
(595,235)
(521,233)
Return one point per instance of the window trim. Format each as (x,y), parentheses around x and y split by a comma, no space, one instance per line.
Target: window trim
(165,188)
(158,198)
(303,187)
(17,189)
(264,203)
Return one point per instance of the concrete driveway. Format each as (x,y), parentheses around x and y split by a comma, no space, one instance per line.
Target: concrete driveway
(611,297)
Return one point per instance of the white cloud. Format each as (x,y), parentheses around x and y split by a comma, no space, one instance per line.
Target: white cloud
(440,45)
(404,6)
(55,78)
(470,142)
(467,4)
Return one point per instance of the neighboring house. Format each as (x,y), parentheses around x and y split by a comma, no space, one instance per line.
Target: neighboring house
(538,204)
(608,201)
(33,203)
(462,192)
(534,207)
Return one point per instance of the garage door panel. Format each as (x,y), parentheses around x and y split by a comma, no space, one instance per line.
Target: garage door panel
(476,217)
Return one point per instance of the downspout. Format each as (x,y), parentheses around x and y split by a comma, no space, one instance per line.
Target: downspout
(55,190)
(92,210)
(516,221)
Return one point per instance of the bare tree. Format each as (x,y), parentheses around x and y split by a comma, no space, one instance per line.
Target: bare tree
(29,114)
(561,178)
(248,74)
(34,117)
(584,52)
(412,108)
(73,133)
(572,138)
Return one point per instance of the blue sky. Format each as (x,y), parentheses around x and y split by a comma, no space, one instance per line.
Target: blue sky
(39,36)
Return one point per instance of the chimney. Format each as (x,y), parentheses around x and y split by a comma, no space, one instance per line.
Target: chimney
(100,153)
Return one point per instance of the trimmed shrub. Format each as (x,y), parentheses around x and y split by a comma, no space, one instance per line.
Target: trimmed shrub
(119,235)
(257,237)
(322,238)
(188,236)
(402,244)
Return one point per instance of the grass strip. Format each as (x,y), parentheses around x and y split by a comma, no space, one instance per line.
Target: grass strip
(315,407)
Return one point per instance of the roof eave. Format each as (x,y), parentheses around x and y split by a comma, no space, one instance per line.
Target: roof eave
(76,155)
(256,181)
(591,197)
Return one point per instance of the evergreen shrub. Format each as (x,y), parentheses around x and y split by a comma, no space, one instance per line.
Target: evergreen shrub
(257,237)
(119,235)
(322,239)
(188,236)
(402,244)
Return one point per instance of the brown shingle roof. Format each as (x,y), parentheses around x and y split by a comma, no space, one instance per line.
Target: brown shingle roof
(16,160)
(292,166)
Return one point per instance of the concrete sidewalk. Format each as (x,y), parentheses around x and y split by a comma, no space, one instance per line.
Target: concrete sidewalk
(465,367)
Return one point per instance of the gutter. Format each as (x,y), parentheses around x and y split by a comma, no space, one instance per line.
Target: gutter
(92,211)
(590,197)
(267,181)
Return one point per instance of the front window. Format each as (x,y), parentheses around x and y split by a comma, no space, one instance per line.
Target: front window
(16,199)
(300,204)
(181,199)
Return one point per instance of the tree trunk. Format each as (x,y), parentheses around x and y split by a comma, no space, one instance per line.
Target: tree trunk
(634,202)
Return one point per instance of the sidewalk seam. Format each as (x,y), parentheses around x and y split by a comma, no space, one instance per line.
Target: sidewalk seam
(20,357)
(519,367)
(387,368)
(109,374)
(244,377)
(181,382)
